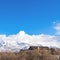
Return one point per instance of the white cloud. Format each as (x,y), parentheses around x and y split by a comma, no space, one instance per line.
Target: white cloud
(57,28)
(16,42)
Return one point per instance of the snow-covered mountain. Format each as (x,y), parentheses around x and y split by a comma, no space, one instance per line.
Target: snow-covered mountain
(14,46)
(22,41)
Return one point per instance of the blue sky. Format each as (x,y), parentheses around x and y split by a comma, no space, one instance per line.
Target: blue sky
(31,16)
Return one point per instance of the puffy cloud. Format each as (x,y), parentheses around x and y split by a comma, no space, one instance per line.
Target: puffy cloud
(57,28)
(22,40)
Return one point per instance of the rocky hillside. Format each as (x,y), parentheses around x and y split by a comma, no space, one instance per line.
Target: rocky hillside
(33,53)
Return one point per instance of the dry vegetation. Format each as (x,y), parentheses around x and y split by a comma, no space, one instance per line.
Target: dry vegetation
(32,54)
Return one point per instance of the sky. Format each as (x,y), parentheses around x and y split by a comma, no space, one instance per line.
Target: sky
(31,16)
(34,22)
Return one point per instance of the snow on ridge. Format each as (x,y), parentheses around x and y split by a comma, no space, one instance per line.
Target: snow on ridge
(22,40)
